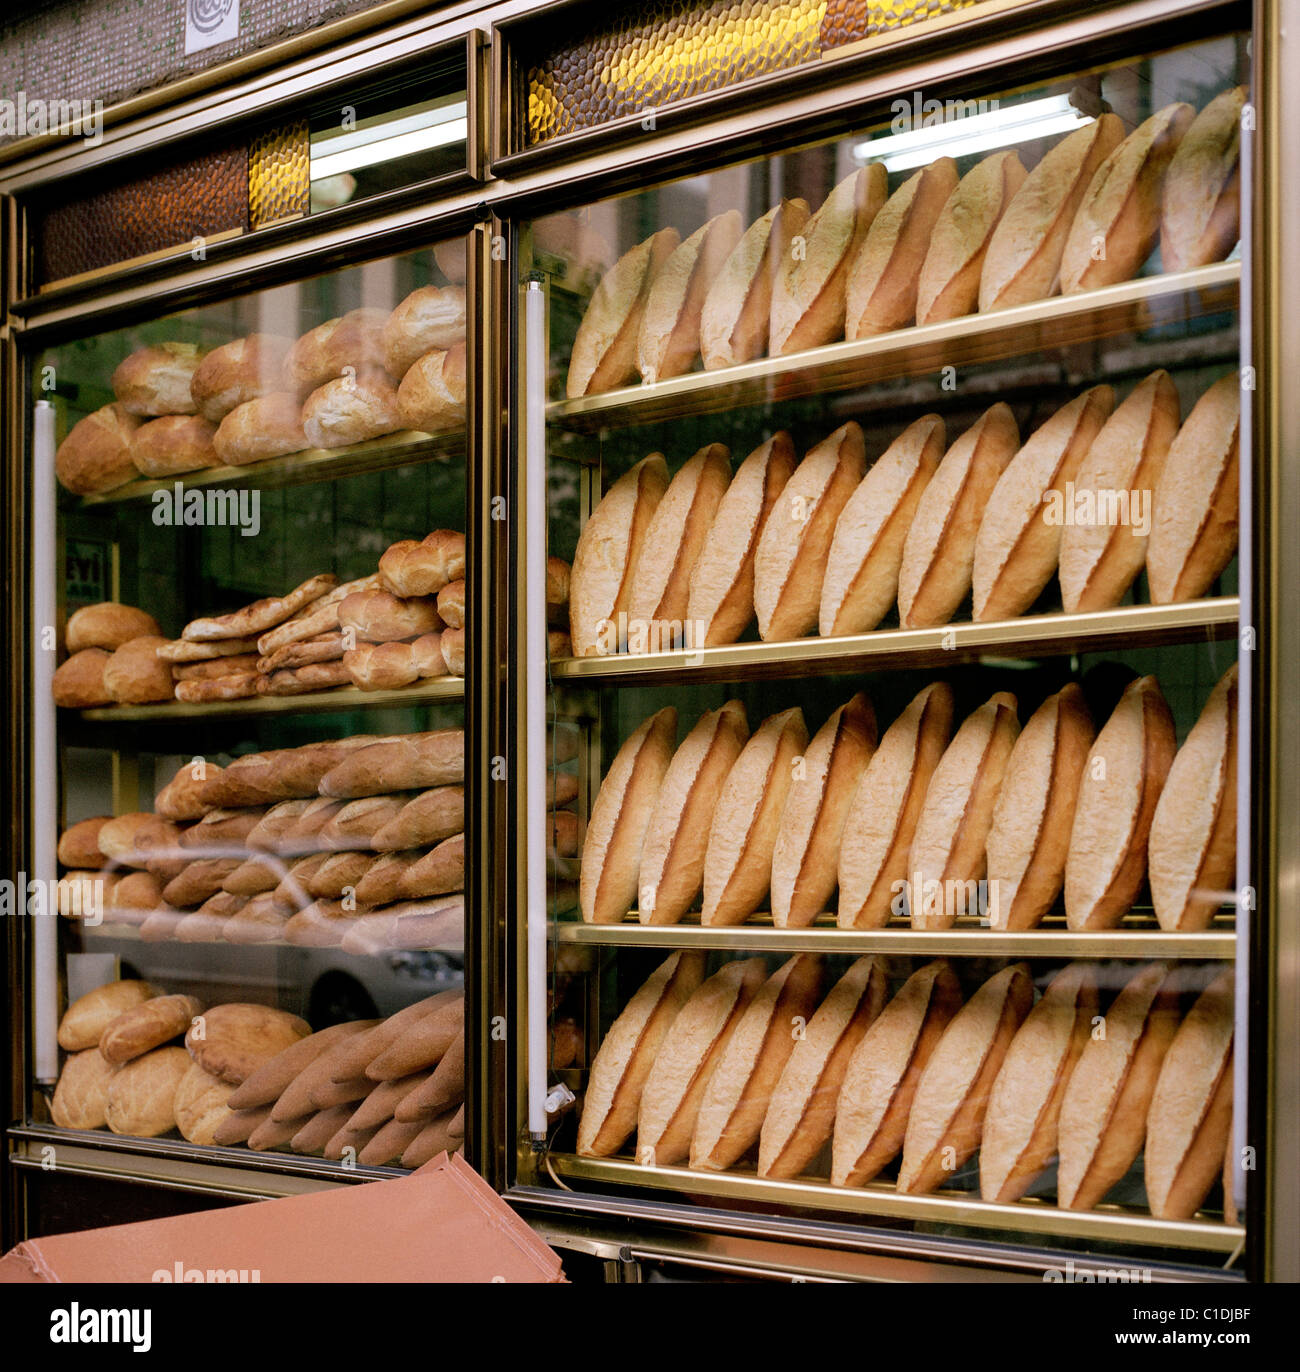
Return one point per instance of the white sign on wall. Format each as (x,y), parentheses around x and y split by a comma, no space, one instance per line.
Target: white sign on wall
(209,22)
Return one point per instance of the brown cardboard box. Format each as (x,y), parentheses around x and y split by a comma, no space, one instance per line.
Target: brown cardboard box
(441,1224)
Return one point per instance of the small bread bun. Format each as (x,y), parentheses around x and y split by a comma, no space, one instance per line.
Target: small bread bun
(89,1015)
(351,409)
(79,843)
(107,625)
(78,683)
(136,675)
(95,455)
(1202,197)
(353,341)
(237,372)
(431,317)
(174,443)
(431,397)
(270,426)
(156,380)
(1122,781)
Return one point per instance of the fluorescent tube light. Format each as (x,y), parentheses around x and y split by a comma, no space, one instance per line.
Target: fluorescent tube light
(387,142)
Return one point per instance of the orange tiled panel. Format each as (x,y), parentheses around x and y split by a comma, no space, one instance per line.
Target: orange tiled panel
(279,175)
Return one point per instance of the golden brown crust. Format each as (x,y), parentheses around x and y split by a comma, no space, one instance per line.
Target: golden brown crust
(431,397)
(156,380)
(1202,196)
(95,456)
(269,426)
(172,444)
(108,625)
(237,372)
(430,318)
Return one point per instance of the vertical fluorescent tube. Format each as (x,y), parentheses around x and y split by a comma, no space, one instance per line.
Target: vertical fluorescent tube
(45,762)
(535,687)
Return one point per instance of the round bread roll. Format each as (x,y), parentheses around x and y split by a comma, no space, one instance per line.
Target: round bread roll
(611,854)
(880,1080)
(351,409)
(233,1041)
(201,1105)
(720,604)
(380,617)
(431,396)
(88,1016)
(1122,781)
(79,843)
(1201,205)
(147,1026)
(409,568)
(451,603)
(142,1094)
(269,426)
(136,675)
(181,798)
(107,625)
(156,380)
(81,1095)
(78,683)
(355,340)
(237,372)
(174,443)
(129,840)
(432,317)
(85,895)
(95,455)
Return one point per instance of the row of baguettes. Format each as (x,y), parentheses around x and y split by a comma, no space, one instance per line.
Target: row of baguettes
(705,1070)
(829,544)
(918,823)
(1088,215)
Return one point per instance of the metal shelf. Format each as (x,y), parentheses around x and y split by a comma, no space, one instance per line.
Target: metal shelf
(299,469)
(977,338)
(1050,635)
(130,933)
(1109,1224)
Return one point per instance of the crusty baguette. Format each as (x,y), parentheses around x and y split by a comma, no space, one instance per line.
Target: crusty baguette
(808,298)
(950,276)
(261,615)
(1030,834)
(882,816)
(687,1057)
(672,857)
(604,350)
(939,550)
(738,861)
(807,851)
(1192,848)
(409,763)
(265,1086)
(423,1042)
(623,1061)
(946,1121)
(609,547)
(359,1054)
(790,562)
(1194,523)
(1017,547)
(734,322)
(740,1090)
(801,1116)
(1102,550)
(443,1089)
(861,582)
(611,853)
(1025,1107)
(721,599)
(1104,1113)
(886,273)
(295,1101)
(1122,781)
(1119,216)
(1190,1118)
(1202,198)
(1024,257)
(668,340)
(880,1081)
(378,1107)
(947,859)
(431,816)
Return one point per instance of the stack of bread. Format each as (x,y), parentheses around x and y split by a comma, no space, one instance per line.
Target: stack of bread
(830,544)
(793,1079)
(940,246)
(112,659)
(992,820)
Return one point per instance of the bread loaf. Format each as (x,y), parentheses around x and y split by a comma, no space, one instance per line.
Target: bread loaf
(882,817)
(312,1070)
(1030,835)
(326,647)
(257,430)
(430,317)
(107,625)
(742,838)
(181,652)
(319,617)
(720,605)
(1019,542)
(423,1041)
(380,617)
(216,669)
(807,851)
(411,763)
(128,840)
(609,549)
(238,1126)
(84,895)
(1104,1113)
(1020,1129)
(946,1121)
(1023,262)
(427,818)
(950,275)
(439,872)
(444,1134)
(939,550)
(1122,781)
(740,1088)
(808,297)
(611,854)
(793,549)
(79,843)
(321,1128)
(85,1020)
(738,303)
(201,1105)
(351,409)
(1202,195)
(1194,522)
(172,444)
(233,1040)
(880,1081)
(389,1143)
(861,582)
(78,683)
(377,1108)
(81,1095)
(1192,849)
(409,568)
(156,380)
(339,874)
(273,1135)
(95,455)
(605,348)
(383,881)
(431,397)
(142,1094)
(237,372)
(382,1034)
(180,799)
(147,1026)
(354,341)
(136,675)
(451,599)
(265,1085)
(688,1054)
(886,273)
(392,665)
(222,830)
(261,614)
(284,774)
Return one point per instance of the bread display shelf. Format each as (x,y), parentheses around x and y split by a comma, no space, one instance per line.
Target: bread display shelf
(310,702)
(300,469)
(1127,626)
(969,340)
(1106,1223)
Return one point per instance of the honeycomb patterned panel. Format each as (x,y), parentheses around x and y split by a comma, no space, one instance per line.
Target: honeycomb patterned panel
(279,175)
(848,21)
